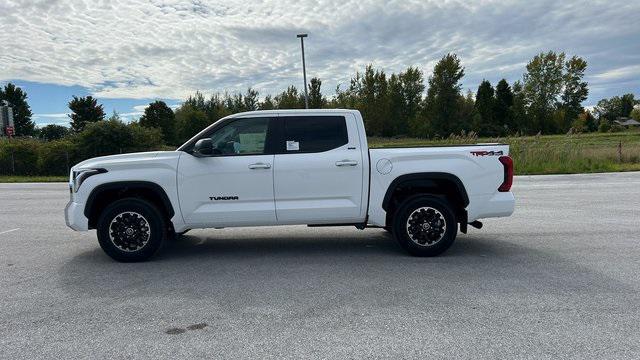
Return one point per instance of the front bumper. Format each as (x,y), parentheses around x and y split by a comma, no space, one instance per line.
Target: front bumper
(74,216)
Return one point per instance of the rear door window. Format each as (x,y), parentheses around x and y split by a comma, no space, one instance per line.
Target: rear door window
(309,134)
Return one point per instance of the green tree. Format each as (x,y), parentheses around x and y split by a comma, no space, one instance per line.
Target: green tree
(84,110)
(17,99)
(397,105)
(405,96)
(289,99)
(316,99)
(53,132)
(190,121)
(345,99)
(373,102)
(159,115)
(112,136)
(575,90)
(215,108)
(542,86)
(628,102)
(267,103)
(635,114)
(234,103)
(467,108)
(485,105)
(503,107)
(251,102)
(585,122)
(196,102)
(440,110)
(617,106)
(519,112)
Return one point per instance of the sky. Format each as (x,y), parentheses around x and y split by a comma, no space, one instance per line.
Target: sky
(131,52)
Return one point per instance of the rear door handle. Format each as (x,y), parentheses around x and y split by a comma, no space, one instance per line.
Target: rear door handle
(346,163)
(259,166)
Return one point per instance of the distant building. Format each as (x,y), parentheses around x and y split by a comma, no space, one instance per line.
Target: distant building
(627,122)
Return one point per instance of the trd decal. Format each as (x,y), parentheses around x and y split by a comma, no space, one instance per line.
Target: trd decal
(487,153)
(223,198)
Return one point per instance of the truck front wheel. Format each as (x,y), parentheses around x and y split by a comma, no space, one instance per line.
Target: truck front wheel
(131,230)
(425,225)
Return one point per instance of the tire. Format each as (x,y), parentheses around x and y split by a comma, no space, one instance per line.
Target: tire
(425,225)
(131,230)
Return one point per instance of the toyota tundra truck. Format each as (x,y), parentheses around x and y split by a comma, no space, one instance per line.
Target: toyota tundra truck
(289,167)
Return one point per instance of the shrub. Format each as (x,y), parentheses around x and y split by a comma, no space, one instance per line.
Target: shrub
(27,157)
(19,157)
(57,157)
(53,132)
(616,128)
(604,126)
(115,137)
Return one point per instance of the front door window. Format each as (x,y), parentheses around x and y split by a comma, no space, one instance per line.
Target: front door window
(241,137)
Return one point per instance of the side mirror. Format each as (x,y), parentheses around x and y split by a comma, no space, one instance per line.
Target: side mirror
(204,147)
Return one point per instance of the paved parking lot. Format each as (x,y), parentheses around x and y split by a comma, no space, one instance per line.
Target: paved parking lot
(559,279)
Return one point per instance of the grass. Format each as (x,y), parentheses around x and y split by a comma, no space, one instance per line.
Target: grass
(20,179)
(552,154)
(548,154)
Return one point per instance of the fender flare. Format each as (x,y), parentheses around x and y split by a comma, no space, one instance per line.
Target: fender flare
(129,185)
(424,179)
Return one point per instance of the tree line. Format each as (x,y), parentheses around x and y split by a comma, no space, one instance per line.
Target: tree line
(548,99)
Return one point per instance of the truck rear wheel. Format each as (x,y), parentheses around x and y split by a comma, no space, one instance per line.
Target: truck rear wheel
(425,225)
(131,230)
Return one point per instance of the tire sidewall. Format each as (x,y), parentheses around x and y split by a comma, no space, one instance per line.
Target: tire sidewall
(413,203)
(156,225)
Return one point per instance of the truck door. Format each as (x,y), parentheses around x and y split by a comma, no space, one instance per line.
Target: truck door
(233,187)
(318,172)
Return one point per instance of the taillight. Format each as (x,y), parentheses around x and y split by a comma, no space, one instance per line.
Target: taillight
(507,162)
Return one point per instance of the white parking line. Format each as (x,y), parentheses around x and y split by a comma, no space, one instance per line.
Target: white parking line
(8,231)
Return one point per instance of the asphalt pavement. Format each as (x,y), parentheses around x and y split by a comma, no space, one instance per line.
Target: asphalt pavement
(558,279)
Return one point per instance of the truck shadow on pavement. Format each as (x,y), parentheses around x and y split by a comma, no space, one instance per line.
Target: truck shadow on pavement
(251,266)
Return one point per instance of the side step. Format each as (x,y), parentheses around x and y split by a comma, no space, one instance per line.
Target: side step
(360,226)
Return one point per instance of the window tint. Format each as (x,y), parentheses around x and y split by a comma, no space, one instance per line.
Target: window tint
(241,137)
(314,133)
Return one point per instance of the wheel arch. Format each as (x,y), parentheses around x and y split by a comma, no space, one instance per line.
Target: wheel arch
(436,183)
(104,194)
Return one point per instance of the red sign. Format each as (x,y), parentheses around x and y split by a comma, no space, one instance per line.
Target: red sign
(8,130)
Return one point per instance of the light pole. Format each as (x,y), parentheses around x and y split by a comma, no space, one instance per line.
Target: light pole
(304,71)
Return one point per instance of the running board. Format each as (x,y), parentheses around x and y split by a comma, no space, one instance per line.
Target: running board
(359,226)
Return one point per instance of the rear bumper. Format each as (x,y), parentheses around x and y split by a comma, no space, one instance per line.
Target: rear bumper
(74,216)
(500,204)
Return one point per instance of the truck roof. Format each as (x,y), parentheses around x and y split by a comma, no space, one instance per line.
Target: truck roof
(292,111)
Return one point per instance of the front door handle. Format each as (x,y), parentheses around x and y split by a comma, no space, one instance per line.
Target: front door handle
(346,163)
(259,166)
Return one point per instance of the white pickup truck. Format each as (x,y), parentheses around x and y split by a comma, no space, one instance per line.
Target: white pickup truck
(286,167)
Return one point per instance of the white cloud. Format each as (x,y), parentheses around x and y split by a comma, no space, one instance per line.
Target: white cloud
(48,119)
(170,48)
(625,72)
(53,116)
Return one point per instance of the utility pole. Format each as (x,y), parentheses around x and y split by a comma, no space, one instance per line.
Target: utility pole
(304,71)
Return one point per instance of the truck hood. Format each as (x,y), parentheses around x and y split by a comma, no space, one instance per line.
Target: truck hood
(133,160)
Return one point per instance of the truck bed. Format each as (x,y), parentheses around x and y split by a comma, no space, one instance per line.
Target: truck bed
(475,165)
